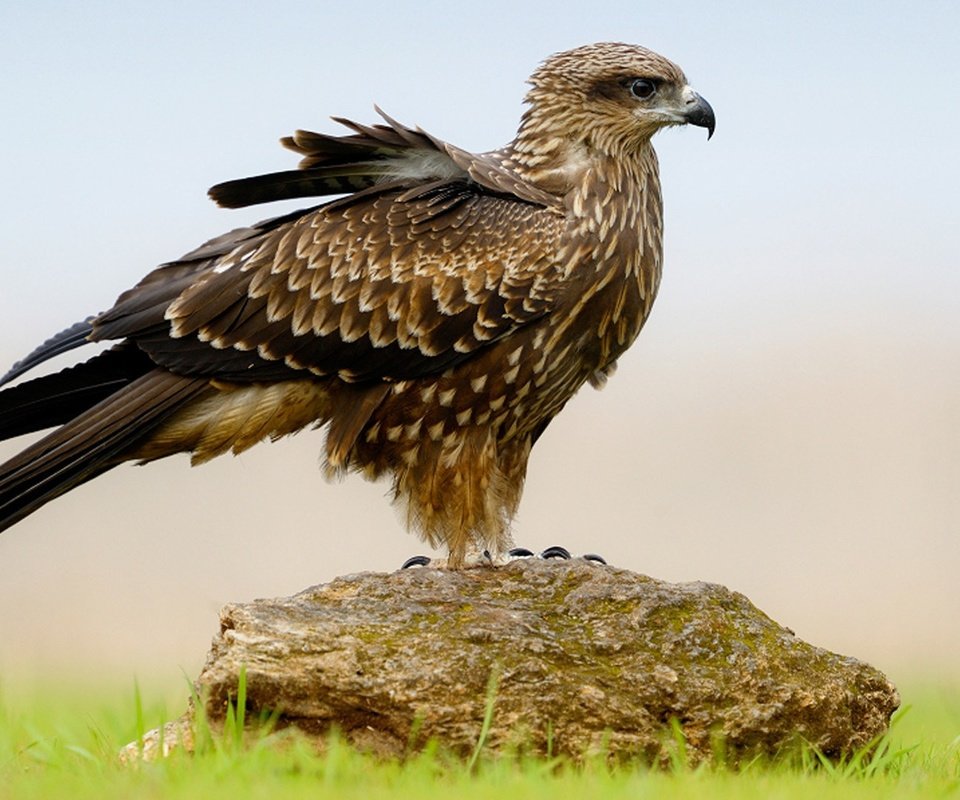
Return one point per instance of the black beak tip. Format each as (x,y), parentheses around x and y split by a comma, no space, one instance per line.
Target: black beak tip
(702,116)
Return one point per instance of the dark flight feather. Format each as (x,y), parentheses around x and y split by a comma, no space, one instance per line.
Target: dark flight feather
(76,335)
(56,399)
(91,443)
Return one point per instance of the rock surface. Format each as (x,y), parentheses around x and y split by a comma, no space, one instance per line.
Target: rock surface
(585,657)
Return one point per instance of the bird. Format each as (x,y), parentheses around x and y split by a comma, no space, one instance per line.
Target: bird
(433,312)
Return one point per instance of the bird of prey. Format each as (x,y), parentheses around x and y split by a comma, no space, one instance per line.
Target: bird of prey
(434,316)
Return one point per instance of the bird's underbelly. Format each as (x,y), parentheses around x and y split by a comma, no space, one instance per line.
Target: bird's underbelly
(508,391)
(511,391)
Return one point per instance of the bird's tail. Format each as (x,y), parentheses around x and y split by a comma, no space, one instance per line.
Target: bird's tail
(56,399)
(104,407)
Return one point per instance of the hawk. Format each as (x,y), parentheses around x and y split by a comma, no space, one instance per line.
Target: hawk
(434,316)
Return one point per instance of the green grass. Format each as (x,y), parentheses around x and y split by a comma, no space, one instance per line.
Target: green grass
(65,745)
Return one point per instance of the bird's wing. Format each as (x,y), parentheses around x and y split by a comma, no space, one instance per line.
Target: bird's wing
(183,270)
(69,338)
(371,155)
(393,282)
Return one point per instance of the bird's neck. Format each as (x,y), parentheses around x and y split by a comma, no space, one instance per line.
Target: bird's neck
(615,204)
(622,190)
(613,249)
(566,168)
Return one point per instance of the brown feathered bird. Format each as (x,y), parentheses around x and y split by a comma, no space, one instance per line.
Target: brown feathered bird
(435,317)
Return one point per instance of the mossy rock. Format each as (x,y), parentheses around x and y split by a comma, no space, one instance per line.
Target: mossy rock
(585,658)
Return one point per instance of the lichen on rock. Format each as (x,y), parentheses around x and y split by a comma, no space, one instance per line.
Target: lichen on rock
(586,658)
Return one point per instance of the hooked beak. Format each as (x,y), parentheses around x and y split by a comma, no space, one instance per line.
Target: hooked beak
(697,111)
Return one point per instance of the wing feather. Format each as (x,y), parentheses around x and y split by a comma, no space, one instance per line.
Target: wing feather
(393,285)
(435,254)
(69,338)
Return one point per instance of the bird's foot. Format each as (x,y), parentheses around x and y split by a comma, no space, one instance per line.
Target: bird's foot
(556,551)
(471,559)
(485,559)
(416,561)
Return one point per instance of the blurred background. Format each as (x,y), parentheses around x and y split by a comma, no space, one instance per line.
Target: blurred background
(787,423)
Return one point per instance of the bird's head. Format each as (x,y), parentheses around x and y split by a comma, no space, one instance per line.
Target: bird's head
(609,97)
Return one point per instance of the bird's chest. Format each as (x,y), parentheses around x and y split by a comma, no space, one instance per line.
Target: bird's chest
(615,238)
(610,257)
(609,299)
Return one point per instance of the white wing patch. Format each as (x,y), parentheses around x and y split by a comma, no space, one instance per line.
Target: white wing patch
(419,165)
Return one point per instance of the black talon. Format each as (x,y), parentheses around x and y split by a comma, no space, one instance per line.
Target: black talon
(520,552)
(416,561)
(556,552)
(594,557)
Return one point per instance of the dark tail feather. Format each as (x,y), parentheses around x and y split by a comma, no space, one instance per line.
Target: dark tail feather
(56,399)
(97,440)
(295,183)
(74,336)
(331,164)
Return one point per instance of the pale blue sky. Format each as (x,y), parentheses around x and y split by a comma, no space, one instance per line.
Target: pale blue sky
(787,423)
(828,194)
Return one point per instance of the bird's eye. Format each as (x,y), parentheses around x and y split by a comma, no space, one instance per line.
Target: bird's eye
(642,88)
